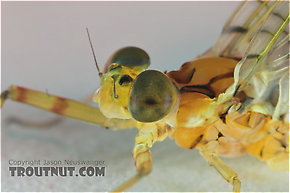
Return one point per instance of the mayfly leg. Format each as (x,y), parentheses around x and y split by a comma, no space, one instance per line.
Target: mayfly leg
(128,183)
(207,151)
(147,135)
(4,96)
(53,121)
(143,161)
(65,107)
(45,124)
(24,123)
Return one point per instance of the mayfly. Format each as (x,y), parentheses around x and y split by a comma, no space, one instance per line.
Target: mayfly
(231,100)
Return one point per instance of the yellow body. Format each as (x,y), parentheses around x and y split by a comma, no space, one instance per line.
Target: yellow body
(200,119)
(232,100)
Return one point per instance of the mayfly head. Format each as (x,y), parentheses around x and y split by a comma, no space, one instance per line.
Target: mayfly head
(118,76)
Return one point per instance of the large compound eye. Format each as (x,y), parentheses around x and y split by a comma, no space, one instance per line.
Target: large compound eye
(130,57)
(152,96)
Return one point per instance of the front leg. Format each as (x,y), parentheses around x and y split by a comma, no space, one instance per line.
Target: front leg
(65,107)
(148,134)
(42,124)
(142,159)
(210,155)
(142,155)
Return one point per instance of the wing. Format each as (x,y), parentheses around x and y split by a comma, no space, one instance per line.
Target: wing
(257,34)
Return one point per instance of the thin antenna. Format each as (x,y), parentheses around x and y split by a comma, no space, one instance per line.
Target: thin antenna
(93,51)
(114,88)
(115,94)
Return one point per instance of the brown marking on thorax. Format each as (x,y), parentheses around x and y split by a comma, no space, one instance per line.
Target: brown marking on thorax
(209,76)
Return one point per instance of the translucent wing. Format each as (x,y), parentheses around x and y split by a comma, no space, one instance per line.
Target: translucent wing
(258,35)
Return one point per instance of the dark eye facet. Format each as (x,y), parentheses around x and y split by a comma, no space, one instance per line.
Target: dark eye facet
(125,80)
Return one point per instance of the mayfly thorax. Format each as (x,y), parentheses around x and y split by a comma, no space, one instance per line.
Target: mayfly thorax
(231,100)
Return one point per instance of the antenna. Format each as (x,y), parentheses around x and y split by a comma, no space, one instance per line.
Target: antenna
(93,52)
(115,94)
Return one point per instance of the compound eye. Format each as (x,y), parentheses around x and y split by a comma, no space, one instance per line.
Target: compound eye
(130,57)
(152,97)
(125,80)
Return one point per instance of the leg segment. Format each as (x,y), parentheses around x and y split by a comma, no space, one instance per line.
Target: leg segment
(42,124)
(142,159)
(142,156)
(227,173)
(64,107)
(148,134)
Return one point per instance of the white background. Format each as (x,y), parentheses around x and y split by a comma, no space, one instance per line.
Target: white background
(45,47)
